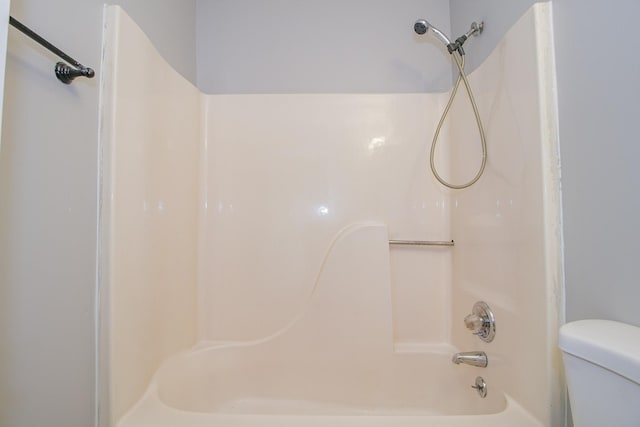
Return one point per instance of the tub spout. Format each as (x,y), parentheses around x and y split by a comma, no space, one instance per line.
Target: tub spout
(473,358)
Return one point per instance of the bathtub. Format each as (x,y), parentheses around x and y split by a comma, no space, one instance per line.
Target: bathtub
(260,386)
(336,364)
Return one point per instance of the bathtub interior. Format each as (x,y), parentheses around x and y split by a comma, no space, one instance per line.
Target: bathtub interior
(259,381)
(245,264)
(345,364)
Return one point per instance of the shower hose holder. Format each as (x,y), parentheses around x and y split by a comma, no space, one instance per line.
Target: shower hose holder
(475,30)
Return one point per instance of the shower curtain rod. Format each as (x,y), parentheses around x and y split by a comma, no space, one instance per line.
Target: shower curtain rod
(64,72)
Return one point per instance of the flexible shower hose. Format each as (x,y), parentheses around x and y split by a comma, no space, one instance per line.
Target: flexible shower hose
(459,60)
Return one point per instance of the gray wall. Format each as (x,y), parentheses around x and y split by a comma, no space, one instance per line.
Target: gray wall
(598,69)
(305,46)
(48,206)
(359,46)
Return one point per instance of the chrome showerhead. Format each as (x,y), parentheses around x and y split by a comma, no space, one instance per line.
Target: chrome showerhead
(422,26)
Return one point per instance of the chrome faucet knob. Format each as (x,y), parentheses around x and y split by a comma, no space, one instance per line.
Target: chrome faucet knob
(481,322)
(474,323)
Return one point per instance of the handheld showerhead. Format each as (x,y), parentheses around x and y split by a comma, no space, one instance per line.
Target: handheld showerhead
(422,26)
(455,49)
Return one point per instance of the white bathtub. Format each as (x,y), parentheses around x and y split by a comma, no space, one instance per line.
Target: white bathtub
(261,386)
(335,364)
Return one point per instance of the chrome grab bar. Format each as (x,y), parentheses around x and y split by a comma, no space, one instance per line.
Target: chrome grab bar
(422,242)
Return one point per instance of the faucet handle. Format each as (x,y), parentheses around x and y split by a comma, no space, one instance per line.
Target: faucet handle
(474,323)
(481,322)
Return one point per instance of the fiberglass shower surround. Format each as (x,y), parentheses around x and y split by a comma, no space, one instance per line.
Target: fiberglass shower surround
(246,273)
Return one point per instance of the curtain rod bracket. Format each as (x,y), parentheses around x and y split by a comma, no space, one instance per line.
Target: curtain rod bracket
(64,72)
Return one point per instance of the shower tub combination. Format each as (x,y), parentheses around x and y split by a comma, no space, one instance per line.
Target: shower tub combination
(246,273)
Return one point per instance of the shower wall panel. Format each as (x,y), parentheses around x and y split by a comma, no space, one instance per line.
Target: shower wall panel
(507,226)
(285,174)
(151,146)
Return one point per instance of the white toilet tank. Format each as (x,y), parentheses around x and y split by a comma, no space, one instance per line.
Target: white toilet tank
(602,366)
